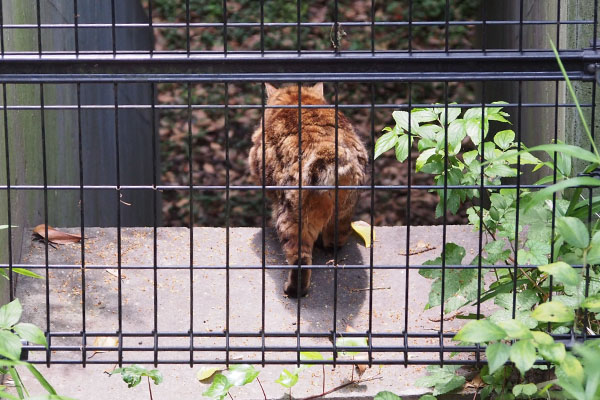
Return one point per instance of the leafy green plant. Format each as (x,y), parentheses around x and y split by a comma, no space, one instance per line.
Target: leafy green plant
(236,375)
(515,331)
(133,375)
(577,370)
(442,379)
(12,332)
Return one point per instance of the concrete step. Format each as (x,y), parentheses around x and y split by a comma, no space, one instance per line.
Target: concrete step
(354,307)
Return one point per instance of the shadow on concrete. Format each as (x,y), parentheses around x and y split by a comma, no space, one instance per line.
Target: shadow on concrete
(317,308)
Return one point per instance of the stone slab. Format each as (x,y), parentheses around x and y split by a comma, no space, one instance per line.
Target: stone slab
(245,312)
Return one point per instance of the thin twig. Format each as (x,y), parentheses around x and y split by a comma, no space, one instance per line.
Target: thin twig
(323,377)
(149,388)
(448,318)
(261,387)
(230,395)
(367,289)
(425,250)
(341,387)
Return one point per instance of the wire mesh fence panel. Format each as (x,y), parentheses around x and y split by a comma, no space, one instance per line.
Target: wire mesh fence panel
(210,158)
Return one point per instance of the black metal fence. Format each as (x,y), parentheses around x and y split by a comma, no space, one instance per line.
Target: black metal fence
(483,65)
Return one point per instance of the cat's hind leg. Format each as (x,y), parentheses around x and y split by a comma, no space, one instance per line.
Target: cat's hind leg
(316,210)
(346,201)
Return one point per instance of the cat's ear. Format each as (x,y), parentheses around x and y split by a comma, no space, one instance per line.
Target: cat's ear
(270,89)
(318,88)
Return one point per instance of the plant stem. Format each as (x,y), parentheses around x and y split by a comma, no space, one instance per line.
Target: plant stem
(230,395)
(261,387)
(341,387)
(149,388)
(323,377)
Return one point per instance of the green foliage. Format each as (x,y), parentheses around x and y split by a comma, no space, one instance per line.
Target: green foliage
(133,375)
(11,333)
(442,379)
(514,331)
(387,396)
(351,342)
(236,375)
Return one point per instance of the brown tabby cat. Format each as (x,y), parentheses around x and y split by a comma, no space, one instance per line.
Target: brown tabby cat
(318,168)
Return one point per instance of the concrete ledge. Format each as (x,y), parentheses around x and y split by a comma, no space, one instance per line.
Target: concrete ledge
(209,306)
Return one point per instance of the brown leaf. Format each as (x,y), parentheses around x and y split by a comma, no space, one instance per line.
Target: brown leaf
(104,341)
(361,368)
(55,236)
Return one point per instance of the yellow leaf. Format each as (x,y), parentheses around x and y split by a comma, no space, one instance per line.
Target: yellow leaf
(364,231)
(207,372)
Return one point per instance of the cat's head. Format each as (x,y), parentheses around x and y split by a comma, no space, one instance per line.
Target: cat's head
(289,94)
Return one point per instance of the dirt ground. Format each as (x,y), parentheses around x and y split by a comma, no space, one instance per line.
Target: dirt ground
(210,122)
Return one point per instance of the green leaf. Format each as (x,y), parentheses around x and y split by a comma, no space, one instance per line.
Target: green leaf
(567,149)
(554,352)
(592,303)
(351,342)
(401,118)
(287,379)
(423,158)
(574,96)
(469,157)
(443,379)
(10,345)
(571,369)
(385,142)
(528,389)
(547,192)
(206,372)
(522,353)
(504,139)
(155,375)
(402,148)
(31,333)
(25,272)
(497,355)
(593,254)
(10,314)
(386,396)
(132,375)
(573,231)
(500,170)
(542,338)
(427,397)
(456,133)
(241,374)
(473,128)
(453,113)
(480,331)
(562,272)
(40,378)
(219,388)
(423,115)
(515,329)
(525,300)
(553,311)
(310,356)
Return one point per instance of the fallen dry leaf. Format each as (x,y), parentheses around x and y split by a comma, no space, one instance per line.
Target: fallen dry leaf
(104,341)
(361,368)
(55,236)
(364,231)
